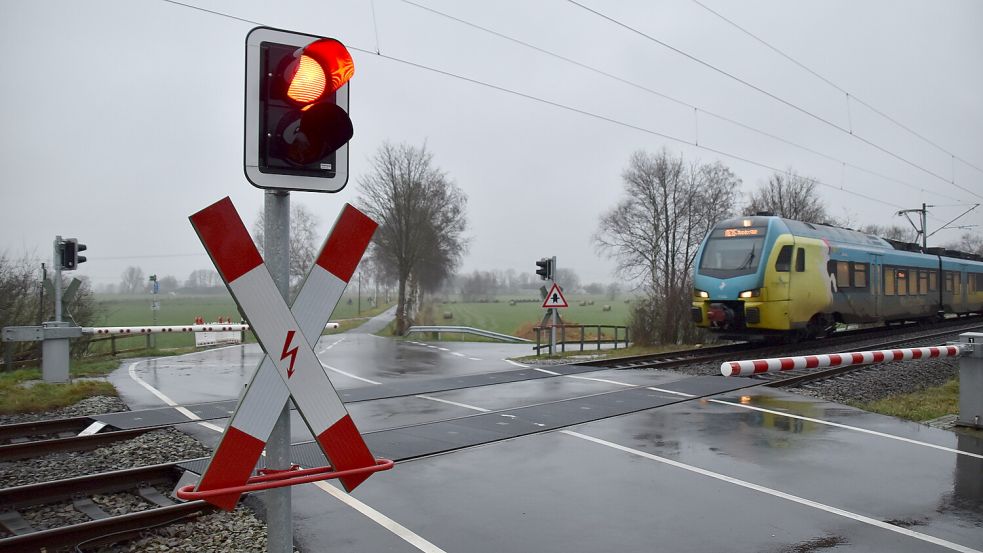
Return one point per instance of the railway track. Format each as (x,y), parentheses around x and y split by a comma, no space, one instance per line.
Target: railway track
(91,501)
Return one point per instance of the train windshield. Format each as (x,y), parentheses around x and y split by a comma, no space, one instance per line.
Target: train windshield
(732,252)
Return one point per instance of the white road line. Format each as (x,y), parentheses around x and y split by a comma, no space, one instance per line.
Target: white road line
(160,395)
(466,406)
(382,520)
(457,353)
(348,374)
(547,372)
(779,494)
(333,344)
(511,362)
(792,416)
(601,380)
(475,358)
(847,427)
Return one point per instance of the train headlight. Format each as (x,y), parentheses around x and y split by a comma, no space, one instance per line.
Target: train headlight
(749,294)
(700,293)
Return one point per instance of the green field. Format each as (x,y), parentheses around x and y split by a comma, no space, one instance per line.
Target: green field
(499,316)
(117,310)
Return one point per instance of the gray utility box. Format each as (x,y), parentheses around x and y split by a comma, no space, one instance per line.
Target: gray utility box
(971,382)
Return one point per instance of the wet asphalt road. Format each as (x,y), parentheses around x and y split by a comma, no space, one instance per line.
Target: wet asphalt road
(735,473)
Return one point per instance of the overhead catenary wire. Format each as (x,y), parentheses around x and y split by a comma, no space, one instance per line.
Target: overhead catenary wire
(565,107)
(837,87)
(770,95)
(675,100)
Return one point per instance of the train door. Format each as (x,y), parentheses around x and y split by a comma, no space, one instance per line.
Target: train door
(876,282)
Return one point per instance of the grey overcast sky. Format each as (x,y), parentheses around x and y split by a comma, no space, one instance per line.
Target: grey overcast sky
(121,118)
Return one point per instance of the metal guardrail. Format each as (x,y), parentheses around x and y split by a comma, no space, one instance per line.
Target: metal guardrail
(562,336)
(467,330)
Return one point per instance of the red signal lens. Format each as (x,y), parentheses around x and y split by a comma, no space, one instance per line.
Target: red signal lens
(307,84)
(335,60)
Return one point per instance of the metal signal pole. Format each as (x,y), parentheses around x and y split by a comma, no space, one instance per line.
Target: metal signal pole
(276,250)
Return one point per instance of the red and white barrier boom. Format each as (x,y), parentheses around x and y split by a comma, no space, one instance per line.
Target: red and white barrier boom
(758,366)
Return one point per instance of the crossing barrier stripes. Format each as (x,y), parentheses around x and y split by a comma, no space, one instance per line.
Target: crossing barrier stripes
(779,364)
(293,369)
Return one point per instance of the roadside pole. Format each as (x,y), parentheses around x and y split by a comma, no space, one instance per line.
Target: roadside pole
(276,250)
(554,322)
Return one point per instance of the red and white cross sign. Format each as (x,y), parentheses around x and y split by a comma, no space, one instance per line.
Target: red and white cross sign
(290,368)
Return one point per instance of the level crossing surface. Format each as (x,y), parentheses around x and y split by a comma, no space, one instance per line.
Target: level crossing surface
(747,470)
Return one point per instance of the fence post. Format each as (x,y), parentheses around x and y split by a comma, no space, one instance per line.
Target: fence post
(581,337)
(8,357)
(538,351)
(616,336)
(971,382)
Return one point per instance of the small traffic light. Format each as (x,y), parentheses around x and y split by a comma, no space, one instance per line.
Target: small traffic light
(70,257)
(545,268)
(297,122)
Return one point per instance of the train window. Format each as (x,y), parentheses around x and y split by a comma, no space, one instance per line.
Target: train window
(922,282)
(784,262)
(902,282)
(933,281)
(889,276)
(842,274)
(800,261)
(859,275)
(979,282)
(948,281)
(957,280)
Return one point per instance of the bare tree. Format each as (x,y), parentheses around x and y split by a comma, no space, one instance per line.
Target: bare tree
(968,243)
(132,281)
(654,232)
(421,216)
(304,241)
(892,232)
(789,195)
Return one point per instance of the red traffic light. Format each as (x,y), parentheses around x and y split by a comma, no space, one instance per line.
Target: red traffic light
(321,68)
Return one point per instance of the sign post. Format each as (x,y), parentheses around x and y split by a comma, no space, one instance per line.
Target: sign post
(553,301)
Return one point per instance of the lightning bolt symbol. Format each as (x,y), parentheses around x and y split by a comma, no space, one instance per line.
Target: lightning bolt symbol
(292,353)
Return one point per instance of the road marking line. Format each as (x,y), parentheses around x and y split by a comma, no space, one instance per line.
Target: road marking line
(601,380)
(459,354)
(382,520)
(333,344)
(511,362)
(348,374)
(442,349)
(547,372)
(475,358)
(779,494)
(847,427)
(160,395)
(449,402)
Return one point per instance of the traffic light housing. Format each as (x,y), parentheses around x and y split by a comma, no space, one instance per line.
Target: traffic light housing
(70,257)
(297,123)
(545,268)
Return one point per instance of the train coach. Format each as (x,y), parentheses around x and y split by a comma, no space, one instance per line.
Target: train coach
(767,277)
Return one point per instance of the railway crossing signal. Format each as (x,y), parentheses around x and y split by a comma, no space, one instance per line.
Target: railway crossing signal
(290,369)
(70,257)
(297,123)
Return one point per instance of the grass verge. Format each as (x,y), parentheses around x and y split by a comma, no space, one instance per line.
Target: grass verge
(923,405)
(21,391)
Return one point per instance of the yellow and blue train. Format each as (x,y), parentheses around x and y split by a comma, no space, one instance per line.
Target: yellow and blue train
(764,276)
